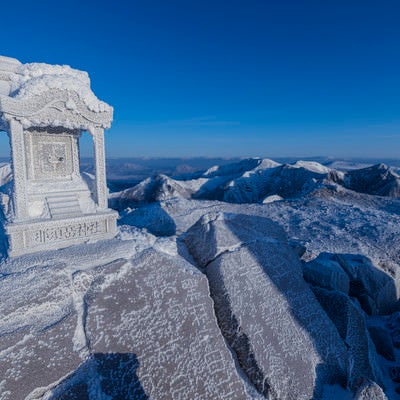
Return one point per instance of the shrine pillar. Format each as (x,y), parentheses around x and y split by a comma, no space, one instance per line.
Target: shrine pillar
(16,134)
(101,197)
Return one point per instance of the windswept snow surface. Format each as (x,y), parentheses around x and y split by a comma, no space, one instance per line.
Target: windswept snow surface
(246,281)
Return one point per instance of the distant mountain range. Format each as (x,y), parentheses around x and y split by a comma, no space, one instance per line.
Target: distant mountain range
(257,180)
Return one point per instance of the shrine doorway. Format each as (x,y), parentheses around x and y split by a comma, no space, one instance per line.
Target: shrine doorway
(5,149)
(86,159)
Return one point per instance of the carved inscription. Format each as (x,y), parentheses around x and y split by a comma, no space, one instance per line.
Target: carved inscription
(175,312)
(68,232)
(51,156)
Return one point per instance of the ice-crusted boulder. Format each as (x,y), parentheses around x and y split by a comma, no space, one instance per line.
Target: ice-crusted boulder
(153,217)
(41,315)
(374,288)
(382,339)
(126,319)
(161,313)
(103,376)
(352,327)
(37,328)
(370,391)
(393,324)
(284,341)
(356,275)
(326,273)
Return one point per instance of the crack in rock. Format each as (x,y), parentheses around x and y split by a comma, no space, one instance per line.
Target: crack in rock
(81,282)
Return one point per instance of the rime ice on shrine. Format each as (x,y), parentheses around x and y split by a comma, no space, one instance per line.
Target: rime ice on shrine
(44,109)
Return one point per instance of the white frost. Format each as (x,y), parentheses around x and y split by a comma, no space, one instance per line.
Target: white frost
(35,78)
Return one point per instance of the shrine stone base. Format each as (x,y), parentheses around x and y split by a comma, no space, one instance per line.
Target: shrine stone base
(28,237)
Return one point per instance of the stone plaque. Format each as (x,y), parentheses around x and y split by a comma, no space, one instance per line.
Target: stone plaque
(51,156)
(68,232)
(53,159)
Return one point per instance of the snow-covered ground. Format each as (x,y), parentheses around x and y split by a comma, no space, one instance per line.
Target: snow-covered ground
(251,280)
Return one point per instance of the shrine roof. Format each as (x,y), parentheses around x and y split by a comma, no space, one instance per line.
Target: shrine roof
(39,94)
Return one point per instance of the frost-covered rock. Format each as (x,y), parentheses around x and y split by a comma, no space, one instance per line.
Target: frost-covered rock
(357,275)
(37,330)
(393,323)
(351,325)
(158,310)
(283,340)
(123,320)
(153,218)
(326,273)
(374,288)
(103,376)
(382,341)
(42,335)
(370,391)
(205,242)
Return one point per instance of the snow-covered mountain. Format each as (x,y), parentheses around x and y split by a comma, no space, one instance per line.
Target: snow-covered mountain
(157,188)
(258,180)
(379,180)
(5,173)
(245,281)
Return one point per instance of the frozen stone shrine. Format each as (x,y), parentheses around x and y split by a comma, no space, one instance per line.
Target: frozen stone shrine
(44,109)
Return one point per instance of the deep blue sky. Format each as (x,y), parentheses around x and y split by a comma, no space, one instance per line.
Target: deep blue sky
(227,77)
